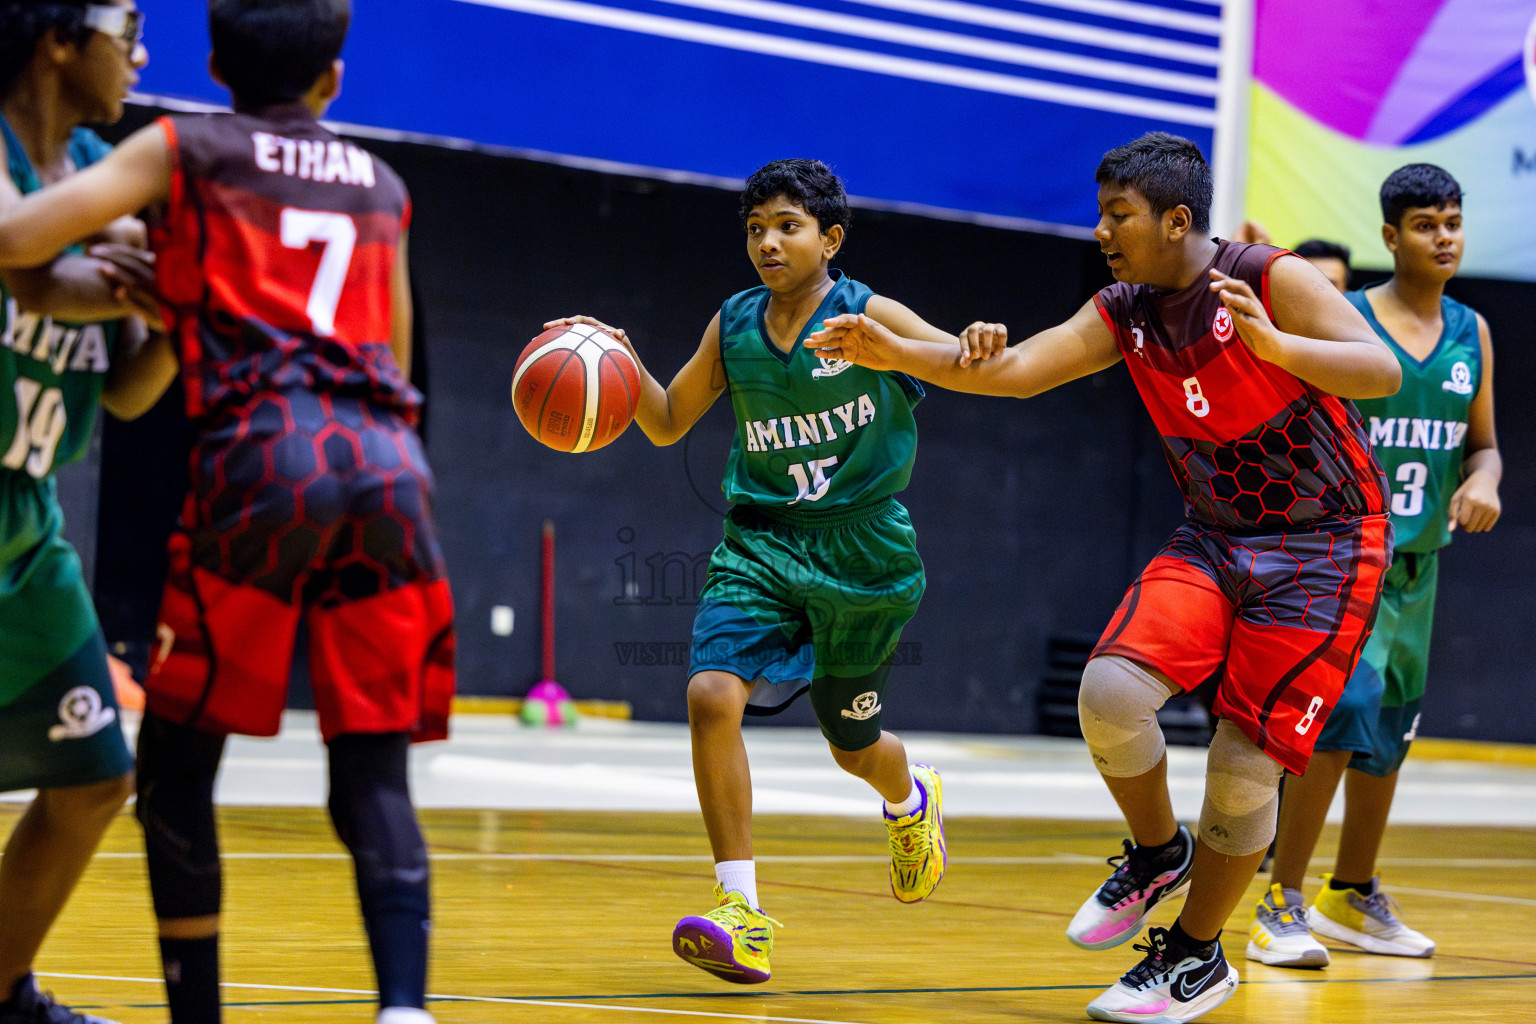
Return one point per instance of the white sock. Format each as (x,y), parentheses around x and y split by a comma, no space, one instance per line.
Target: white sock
(908,806)
(403,1015)
(738,876)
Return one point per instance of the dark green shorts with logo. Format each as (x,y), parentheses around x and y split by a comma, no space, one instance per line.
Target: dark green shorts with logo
(1378,715)
(794,603)
(65,729)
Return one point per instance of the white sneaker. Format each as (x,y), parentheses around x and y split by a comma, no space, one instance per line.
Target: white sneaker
(1279,935)
(1169,986)
(1370,922)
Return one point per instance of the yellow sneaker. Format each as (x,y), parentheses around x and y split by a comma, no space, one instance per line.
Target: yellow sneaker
(917,841)
(731,942)
(1278,935)
(1369,922)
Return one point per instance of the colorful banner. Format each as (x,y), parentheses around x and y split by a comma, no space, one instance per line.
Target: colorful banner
(997,110)
(1347,91)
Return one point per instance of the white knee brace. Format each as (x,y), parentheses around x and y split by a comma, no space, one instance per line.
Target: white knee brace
(1242,794)
(1117,710)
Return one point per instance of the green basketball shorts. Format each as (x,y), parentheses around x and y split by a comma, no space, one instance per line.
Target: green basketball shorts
(811,603)
(1378,716)
(65,729)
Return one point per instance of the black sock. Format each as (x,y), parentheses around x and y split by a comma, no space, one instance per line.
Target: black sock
(398,938)
(1180,939)
(1363,888)
(1171,852)
(191,979)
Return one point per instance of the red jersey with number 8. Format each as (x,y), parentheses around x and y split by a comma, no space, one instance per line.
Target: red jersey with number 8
(1252,446)
(275,262)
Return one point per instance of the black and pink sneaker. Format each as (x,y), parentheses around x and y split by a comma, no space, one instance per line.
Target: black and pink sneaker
(1171,985)
(1139,883)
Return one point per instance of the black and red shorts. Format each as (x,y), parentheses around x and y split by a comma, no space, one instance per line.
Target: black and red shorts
(310,508)
(1281,617)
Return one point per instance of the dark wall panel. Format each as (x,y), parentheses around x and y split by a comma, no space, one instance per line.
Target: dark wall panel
(1032,517)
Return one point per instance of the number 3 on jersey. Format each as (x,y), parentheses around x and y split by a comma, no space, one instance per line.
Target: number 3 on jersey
(337,236)
(1409,499)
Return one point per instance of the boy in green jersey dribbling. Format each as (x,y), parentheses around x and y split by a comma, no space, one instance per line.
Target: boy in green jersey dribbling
(1435,439)
(818,571)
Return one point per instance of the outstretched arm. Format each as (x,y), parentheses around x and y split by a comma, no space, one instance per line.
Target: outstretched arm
(1082,345)
(1316,334)
(906,324)
(665,414)
(1475,505)
(134,175)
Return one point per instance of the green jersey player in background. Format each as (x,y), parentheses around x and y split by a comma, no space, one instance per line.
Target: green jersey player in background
(818,570)
(61,64)
(1435,439)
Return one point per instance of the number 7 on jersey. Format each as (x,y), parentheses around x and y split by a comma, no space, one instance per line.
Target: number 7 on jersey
(338,237)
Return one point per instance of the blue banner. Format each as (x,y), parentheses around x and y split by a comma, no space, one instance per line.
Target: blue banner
(994,110)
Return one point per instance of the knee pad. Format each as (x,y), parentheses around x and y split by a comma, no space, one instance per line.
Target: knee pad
(1242,794)
(176,770)
(370,806)
(1117,710)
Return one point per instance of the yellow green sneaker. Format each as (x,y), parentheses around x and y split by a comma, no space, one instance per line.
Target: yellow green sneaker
(731,942)
(1369,922)
(917,841)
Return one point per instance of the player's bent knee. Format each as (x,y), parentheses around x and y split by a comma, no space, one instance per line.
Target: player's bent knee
(370,805)
(716,695)
(1117,711)
(1242,794)
(859,762)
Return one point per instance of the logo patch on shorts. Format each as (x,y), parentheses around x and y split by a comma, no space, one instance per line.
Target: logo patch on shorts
(865,705)
(81,715)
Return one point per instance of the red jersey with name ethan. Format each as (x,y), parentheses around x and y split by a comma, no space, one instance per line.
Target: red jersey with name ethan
(1272,583)
(310,495)
(1252,446)
(277,199)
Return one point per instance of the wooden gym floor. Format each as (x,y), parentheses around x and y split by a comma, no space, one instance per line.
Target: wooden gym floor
(564,916)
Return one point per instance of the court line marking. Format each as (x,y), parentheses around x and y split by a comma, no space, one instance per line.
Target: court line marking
(570,1001)
(499,1000)
(1468,863)
(1065,858)
(1475,897)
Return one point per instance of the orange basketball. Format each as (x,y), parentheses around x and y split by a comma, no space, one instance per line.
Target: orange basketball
(575,388)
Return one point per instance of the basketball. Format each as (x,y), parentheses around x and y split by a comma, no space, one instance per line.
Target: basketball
(575,388)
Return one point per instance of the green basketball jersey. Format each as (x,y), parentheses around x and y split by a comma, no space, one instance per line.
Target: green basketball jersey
(1419,434)
(51,375)
(812,434)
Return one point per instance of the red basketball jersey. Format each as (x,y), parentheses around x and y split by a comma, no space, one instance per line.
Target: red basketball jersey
(275,261)
(1252,446)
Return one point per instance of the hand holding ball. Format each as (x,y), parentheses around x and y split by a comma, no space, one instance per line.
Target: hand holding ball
(575,388)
